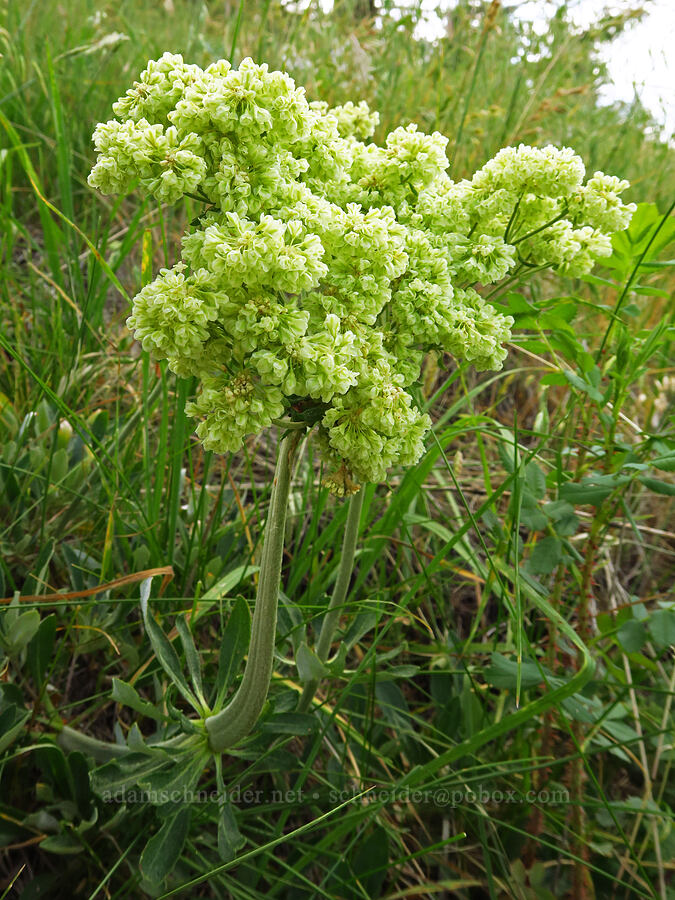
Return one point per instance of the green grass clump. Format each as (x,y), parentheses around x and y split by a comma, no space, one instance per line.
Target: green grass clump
(457,707)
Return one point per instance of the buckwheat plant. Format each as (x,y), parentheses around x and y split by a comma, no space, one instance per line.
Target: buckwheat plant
(322,271)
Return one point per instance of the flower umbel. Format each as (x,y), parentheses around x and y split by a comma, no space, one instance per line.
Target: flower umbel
(325,266)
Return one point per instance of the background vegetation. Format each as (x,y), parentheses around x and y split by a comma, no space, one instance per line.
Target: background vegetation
(550,480)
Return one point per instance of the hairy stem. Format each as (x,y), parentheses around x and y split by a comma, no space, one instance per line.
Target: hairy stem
(235,721)
(70,739)
(339,593)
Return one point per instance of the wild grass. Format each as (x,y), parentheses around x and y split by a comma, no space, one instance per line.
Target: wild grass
(467,749)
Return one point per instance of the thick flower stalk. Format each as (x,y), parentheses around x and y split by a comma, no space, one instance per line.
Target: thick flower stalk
(236,720)
(324,266)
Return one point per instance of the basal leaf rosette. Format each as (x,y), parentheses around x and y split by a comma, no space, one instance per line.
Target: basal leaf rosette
(325,266)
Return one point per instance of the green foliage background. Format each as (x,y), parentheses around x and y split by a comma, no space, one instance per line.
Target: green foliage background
(550,481)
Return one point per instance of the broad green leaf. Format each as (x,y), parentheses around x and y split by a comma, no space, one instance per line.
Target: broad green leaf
(592,490)
(621,735)
(563,517)
(191,654)
(644,290)
(622,732)
(175,783)
(661,625)
(117,776)
(163,850)
(370,862)
(136,741)
(166,655)
(52,761)
(584,386)
(546,556)
(391,673)
(666,462)
(503,673)
(310,667)
(531,515)
(21,631)
(63,844)
(59,465)
(127,695)
(666,488)
(581,708)
(505,447)
(517,304)
(12,720)
(41,649)
(556,378)
(290,622)
(289,723)
(632,636)
(230,839)
(233,647)
(393,704)
(362,623)
(80,777)
(39,577)
(601,282)
(8,418)
(563,311)
(336,665)
(535,480)
(567,345)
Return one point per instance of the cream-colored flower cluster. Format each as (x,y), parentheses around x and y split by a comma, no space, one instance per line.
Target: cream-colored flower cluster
(325,266)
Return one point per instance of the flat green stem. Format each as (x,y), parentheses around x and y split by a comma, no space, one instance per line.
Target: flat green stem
(339,595)
(229,726)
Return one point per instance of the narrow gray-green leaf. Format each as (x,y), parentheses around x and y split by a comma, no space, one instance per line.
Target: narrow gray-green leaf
(128,696)
(166,655)
(163,850)
(191,654)
(230,839)
(233,647)
(310,667)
